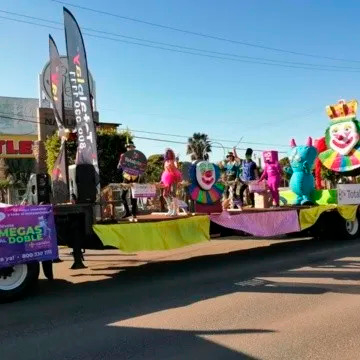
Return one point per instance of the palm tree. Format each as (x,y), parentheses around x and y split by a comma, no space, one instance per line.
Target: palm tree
(198,147)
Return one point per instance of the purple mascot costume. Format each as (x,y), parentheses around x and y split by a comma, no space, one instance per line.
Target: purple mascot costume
(272,172)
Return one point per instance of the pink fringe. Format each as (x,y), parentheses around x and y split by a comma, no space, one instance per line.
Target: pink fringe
(168,178)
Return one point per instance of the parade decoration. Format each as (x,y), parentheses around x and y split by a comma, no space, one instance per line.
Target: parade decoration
(80,91)
(140,191)
(302,160)
(320,145)
(170,178)
(342,138)
(272,172)
(27,234)
(59,174)
(133,163)
(204,188)
(56,84)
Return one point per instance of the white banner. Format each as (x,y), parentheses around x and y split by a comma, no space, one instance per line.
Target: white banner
(143,191)
(256,187)
(348,194)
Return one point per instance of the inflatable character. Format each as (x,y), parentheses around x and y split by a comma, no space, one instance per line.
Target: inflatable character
(204,188)
(342,138)
(272,172)
(170,178)
(302,160)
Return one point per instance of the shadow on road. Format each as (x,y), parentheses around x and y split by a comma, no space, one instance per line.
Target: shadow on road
(77,318)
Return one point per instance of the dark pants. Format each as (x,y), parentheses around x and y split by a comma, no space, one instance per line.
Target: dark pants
(251,195)
(132,200)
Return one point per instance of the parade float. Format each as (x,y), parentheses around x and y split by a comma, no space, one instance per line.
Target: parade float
(205,187)
(338,153)
(30,235)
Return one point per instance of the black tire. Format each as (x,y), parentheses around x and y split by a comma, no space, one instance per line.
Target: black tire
(351,229)
(25,277)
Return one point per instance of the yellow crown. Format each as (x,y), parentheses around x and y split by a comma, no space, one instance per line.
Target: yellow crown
(342,109)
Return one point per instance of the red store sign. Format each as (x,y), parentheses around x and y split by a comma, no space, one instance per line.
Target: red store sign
(16,146)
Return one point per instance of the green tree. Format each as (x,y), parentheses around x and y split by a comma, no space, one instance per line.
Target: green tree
(52,146)
(285,163)
(110,144)
(155,167)
(198,147)
(331,176)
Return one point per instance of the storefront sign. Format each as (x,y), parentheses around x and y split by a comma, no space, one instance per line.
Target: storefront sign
(348,194)
(17,146)
(133,162)
(143,191)
(27,233)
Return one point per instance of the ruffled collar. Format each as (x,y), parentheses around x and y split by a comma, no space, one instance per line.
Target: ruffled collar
(341,163)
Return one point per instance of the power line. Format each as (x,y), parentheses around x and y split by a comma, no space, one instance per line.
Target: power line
(211,139)
(182,47)
(184,143)
(188,52)
(137,137)
(22,119)
(214,37)
(31,23)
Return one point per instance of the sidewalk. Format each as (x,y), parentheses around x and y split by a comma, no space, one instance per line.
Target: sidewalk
(103,264)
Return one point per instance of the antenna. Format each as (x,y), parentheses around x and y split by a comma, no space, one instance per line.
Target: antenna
(216,143)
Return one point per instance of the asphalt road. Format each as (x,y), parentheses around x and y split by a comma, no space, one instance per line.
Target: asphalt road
(290,302)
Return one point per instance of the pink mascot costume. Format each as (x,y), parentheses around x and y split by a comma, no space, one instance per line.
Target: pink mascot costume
(170,178)
(272,172)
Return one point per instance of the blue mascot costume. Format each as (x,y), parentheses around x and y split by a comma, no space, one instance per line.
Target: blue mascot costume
(302,160)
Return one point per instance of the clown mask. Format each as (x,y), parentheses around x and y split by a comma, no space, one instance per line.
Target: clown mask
(343,137)
(205,175)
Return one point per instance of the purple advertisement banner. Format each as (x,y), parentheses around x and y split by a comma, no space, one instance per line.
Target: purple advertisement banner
(27,233)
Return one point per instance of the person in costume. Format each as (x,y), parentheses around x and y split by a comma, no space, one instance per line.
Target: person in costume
(170,178)
(232,170)
(129,179)
(249,173)
(342,138)
(302,159)
(272,172)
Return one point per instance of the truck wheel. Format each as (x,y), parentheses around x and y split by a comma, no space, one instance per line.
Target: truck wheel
(352,229)
(17,281)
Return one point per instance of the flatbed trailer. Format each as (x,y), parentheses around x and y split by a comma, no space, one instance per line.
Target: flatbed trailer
(76,228)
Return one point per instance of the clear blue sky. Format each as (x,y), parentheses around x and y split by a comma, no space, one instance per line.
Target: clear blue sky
(161,91)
